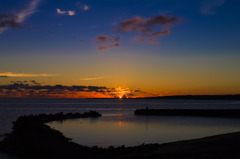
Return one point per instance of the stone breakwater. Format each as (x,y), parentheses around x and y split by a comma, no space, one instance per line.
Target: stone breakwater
(225,113)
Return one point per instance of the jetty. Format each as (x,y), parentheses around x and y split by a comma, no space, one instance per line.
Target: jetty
(225,113)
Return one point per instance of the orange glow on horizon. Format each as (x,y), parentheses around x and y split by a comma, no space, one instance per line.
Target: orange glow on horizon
(35,90)
(122,92)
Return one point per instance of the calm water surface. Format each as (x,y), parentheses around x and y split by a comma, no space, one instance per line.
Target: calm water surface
(118,125)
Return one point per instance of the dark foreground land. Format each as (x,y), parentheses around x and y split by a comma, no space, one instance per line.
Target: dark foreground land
(32,139)
(223,113)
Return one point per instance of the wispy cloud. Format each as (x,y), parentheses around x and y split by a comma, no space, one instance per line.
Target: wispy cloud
(85,7)
(71,13)
(10,74)
(209,7)
(148,28)
(15,20)
(144,40)
(82,6)
(92,78)
(105,38)
(108,46)
(61,12)
(102,38)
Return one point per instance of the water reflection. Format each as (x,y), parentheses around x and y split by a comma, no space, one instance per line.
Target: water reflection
(117,130)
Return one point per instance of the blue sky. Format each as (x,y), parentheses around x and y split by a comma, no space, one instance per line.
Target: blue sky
(160,46)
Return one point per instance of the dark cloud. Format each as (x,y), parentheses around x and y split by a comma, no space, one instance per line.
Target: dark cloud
(148,28)
(33,82)
(137,90)
(161,33)
(9,21)
(3,76)
(109,46)
(35,89)
(15,20)
(145,39)
(145,26)
(105,38)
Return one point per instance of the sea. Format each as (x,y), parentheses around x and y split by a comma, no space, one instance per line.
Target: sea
(118,125)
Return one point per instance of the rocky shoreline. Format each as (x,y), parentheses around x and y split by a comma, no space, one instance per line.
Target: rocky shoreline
(31,138)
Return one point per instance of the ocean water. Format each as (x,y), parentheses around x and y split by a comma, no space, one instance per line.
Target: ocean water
(118,125)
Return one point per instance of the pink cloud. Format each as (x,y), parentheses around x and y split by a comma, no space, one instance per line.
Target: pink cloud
(148,28)
(109,46)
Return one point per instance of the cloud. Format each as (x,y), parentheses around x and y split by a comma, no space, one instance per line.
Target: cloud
(90,79)
(61,12)
(148,28)
(208,8)
(105,38)
(145,26)
(109,46)
(3,76)
(10,74)
(15,20)
(145,40)
(83,7)
(70,13)
(33,89)
(161,33)
(102,38)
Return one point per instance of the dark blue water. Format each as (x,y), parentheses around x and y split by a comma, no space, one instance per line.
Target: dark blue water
(119,126)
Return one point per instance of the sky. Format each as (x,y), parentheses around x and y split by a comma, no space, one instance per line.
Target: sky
(119,48)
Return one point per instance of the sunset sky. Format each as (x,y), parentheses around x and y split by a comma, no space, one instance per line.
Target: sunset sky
(134,47)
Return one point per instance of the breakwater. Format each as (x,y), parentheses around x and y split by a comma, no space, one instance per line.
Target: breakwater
(226,113)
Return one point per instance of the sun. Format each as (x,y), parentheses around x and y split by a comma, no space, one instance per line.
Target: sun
(120,96)
(122,92)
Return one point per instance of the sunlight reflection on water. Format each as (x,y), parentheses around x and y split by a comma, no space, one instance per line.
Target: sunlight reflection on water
(103,132)
(119,126)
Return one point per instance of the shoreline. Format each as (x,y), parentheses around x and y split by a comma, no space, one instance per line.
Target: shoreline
(184,97)
(32,138)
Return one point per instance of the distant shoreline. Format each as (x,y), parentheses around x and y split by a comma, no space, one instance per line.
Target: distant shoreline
(200,97)
(185,97)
